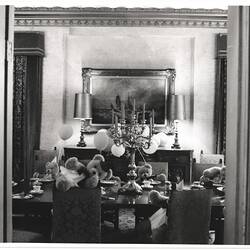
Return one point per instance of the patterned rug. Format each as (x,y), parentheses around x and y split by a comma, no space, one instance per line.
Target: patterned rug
(126,232)
(126,219)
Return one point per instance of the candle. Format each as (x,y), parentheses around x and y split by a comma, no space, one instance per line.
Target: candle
(134,105)
(116,123)
(112,117)
(150,128)
(153,118)
(123,110)
(143,114)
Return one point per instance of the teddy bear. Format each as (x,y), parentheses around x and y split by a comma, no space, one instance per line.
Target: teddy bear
(103,168)
(76,174)
(143,173)
(213,175)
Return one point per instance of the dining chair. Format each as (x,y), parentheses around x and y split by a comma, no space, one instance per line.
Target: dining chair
(76,216)
(157,167)
(211,158)
(189,214)
(41,157)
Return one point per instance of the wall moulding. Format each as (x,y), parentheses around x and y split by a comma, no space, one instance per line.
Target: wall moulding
(165,17)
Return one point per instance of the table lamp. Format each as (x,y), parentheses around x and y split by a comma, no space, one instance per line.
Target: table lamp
(176,112)
(82,111)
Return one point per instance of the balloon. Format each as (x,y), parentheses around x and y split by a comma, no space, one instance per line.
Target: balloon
(117,150)
(65,132)
(157,139)
(103,130)
(110,144)
(152,148)
(101,139)
(164,139)
(146,131)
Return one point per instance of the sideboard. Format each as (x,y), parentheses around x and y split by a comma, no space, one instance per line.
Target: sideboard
(179,161)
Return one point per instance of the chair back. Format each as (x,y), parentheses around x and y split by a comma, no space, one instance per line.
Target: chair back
(77,216)
(157,167)
(189,217)
(211,158)
(41,157)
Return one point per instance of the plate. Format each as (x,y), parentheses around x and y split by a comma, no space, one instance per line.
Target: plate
(110,183)
(22,196)
(155,182)
(36,192)
(146,187)
(14,184)
(46,180)
(34,179)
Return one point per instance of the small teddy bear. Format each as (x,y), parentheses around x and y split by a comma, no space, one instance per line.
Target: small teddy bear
(103,168)
(144,173)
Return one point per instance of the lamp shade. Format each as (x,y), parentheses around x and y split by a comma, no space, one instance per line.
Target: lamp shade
(83,108)
(176,107)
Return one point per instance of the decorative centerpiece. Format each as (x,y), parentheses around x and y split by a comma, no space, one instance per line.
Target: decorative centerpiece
(131,134)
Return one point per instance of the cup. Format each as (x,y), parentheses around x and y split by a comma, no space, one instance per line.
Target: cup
(37,188)
(146,183)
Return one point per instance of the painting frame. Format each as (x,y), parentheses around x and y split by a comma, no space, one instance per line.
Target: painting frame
(149,86)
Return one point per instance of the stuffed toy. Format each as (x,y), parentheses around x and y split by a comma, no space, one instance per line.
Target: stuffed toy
(157,199)
(213,175)
(103,168)
(52,170)
(143,173)
(162,178)
(76,174)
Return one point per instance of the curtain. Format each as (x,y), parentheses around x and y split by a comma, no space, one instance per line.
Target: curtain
(220,95)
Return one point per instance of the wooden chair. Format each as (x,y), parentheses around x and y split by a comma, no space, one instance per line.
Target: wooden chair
(157,167)
(76,216)
(41,157)
(189,217)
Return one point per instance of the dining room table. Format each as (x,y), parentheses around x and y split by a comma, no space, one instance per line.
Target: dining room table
(41,204)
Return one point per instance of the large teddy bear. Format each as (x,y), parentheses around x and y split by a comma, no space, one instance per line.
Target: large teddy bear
(76,174)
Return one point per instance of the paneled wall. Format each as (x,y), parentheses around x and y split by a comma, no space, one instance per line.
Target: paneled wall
(191,51)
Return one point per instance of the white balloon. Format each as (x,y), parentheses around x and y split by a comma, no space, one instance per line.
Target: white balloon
(117,151)
(157,139)
(146,131)
(164,139)
(110,144)
(65,132)
(101,139)
(103,130)
(152,148)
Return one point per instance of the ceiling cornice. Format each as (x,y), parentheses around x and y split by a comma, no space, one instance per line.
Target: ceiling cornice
(132,17)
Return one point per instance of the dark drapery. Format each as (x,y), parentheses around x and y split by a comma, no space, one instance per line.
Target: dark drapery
(220,95)
(27,97)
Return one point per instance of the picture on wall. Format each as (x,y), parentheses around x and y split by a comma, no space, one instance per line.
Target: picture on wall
(110,88)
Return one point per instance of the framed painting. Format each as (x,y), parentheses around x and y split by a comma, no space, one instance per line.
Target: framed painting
(111,87)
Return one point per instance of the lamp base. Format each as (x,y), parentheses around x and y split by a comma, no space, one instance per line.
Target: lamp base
(176,146)
(130,188)
(81,144)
